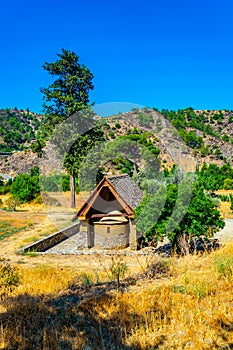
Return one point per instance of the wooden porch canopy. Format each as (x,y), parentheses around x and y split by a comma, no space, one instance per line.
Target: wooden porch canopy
(124,191)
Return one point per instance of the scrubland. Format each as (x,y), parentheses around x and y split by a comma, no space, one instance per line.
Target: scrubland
(161,303)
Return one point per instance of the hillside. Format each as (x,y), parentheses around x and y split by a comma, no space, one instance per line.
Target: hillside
(207,135)
(194,135)
(17,129)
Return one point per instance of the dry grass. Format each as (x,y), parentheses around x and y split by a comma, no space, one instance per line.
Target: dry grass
(189,308)
(224,208)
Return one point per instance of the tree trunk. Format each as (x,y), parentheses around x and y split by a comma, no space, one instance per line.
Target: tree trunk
(72,191)
(181,244)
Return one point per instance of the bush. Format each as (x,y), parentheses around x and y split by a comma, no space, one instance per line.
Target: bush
(4,189)
(12,203)
(112,135)
(231,200)
(228,184)
(9,277)
(118,125)
(25,187)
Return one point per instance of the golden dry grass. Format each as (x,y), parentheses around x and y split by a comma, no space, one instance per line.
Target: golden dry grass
(189,308)
(224,207)
(225,210)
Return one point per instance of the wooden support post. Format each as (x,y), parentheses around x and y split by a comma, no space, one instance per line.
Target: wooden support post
(90,234)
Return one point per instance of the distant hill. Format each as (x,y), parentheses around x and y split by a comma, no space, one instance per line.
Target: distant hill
(17,129)
(207,135)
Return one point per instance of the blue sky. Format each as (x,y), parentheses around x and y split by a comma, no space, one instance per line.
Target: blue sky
(165,54)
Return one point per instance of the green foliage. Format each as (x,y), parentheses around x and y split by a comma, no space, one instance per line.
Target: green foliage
(112,134)
(118,125)
(170,212)
(5,188)
(25,187)
(231,200)
(215,178)
(38,145)
(143,139)
(149,211)
(202,216)
(124,165)
(189,118)
(17,129)
(67,99)
(228,184)
(191,138)
(55,183)
(31,254)
(69,93)
(226,138)
(121,154)
(145,119)
(224,197)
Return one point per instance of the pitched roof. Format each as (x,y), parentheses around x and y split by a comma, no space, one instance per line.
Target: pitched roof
(127,189)
(127,192)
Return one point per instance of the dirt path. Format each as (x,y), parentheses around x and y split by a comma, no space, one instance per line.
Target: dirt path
(226,234)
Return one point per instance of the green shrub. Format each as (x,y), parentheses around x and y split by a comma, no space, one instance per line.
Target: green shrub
(226,138)
(118,125)
(144,120)
(231,200)
(112,135)
(228,184)
(4,189)
(25,187)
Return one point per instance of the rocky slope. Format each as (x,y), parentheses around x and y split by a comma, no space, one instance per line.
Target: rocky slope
(186,137)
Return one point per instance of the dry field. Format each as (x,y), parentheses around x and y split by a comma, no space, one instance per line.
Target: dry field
(225,206)
(74,302)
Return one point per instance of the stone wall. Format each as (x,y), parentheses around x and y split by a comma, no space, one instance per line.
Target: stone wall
(53,239)
(114,236)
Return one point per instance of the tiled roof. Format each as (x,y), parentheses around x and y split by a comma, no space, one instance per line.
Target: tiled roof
(127,189)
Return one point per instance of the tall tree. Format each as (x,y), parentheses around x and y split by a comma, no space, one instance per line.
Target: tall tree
(66,96)
(69,93)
